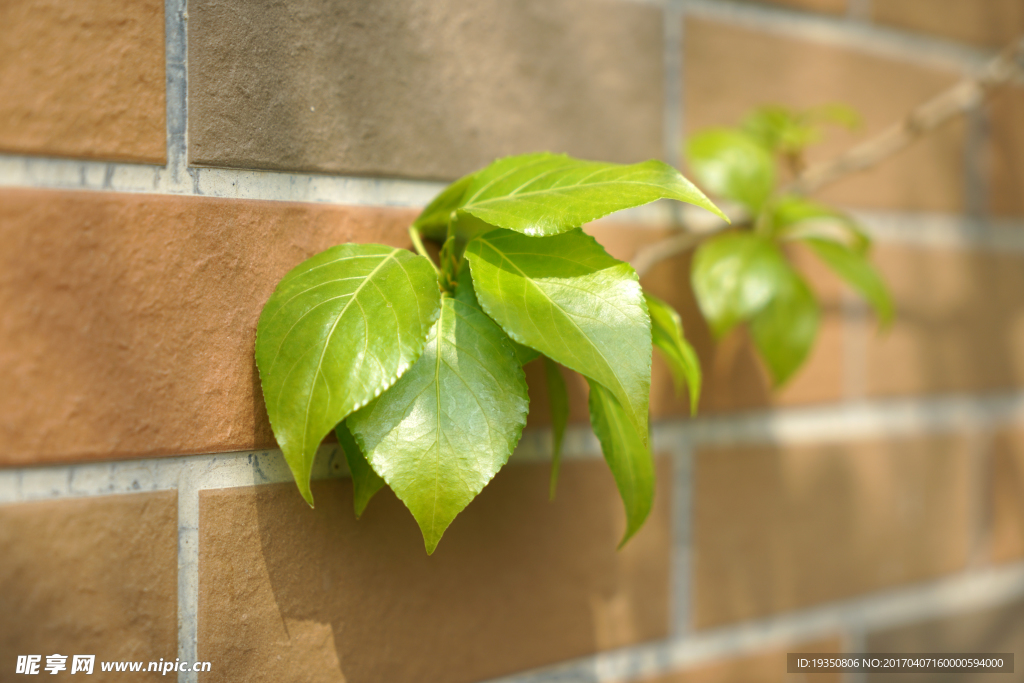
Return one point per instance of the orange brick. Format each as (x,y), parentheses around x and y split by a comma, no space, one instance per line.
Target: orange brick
(959,323)
(783,528)
(83,79)
(90,576)
(290,593)
(129,320)
(983,22)
(1008,497)
(730,70)
(764,667)
(1006,152)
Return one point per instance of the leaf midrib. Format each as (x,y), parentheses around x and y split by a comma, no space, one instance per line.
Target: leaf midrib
(556,190)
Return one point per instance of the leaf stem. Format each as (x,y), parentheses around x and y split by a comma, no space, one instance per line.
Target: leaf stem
(417,243)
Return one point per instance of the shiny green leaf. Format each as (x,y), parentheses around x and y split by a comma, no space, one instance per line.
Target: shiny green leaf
(365,482)
(567,298)
(731,164)
(558,398)
(547,194)
(339,329)
(451,422)
(667,334)
(627,455)
(433,220)
(734,276)
(795,217)
(465,293)
(784,330)
(858,273)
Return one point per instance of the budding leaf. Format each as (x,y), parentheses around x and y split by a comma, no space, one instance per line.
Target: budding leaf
(339,329)
(451,422)
(732,164)
(567,298)
(627,455)
(547,194)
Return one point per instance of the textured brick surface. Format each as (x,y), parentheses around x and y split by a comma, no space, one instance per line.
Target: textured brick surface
(90,576)
(1008,497)
(781,528)
(1006,152)
(959,322)
(83,79)
(129,320)
(999,629)
(984,22)
(730,70)
(293,594)
(307,85)
(762,667)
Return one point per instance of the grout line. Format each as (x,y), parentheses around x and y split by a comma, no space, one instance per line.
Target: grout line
(176,32)
(949,596)
(841,32)
(682,540)
(855,329)
(188,571)
(855,641)
(976,170)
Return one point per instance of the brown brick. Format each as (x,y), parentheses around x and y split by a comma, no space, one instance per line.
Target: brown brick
(289,593)
(129,320)
(1008,497)
(998,629)
(983,22)
(83,79)
(1006,152)
(730,70)
(827,6)
(308,86)
(763,667)
(90,576)
(783,528)
(959,323)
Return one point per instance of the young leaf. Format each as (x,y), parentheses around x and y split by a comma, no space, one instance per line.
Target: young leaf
(795,217)
(567,298)
(667,334)
(784,330)
(433,220)
(627,456)
(339,329)
(450,423)
(365,482)
(734,276)
(857,271)
(732,164)
(558,397)
(547,194)
(465,293)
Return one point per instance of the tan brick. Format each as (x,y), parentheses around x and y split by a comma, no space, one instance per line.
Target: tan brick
(729,70)
(1008,497)
(762,667)
(289,593)
(983,22)
(83,79)
(90,576)
(783,528)
(999,629)
(827,6)
(129,320)
(307,86)
(959,323)
(1006,152)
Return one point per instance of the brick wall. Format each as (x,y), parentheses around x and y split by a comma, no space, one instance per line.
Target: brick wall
(163,165)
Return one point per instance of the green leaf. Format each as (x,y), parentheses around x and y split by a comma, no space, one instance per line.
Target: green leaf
(858,272)
(365,482)
(433,220)
(627,456)
(732,164)
(339,329)
(450,423)
(667,334)
(784,330)
(780,128)
(547,194)
(558,397)
(734,276)
(795,217)
(567,298)
(465,293)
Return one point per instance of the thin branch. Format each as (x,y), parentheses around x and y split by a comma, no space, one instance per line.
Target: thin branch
(1007,66)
